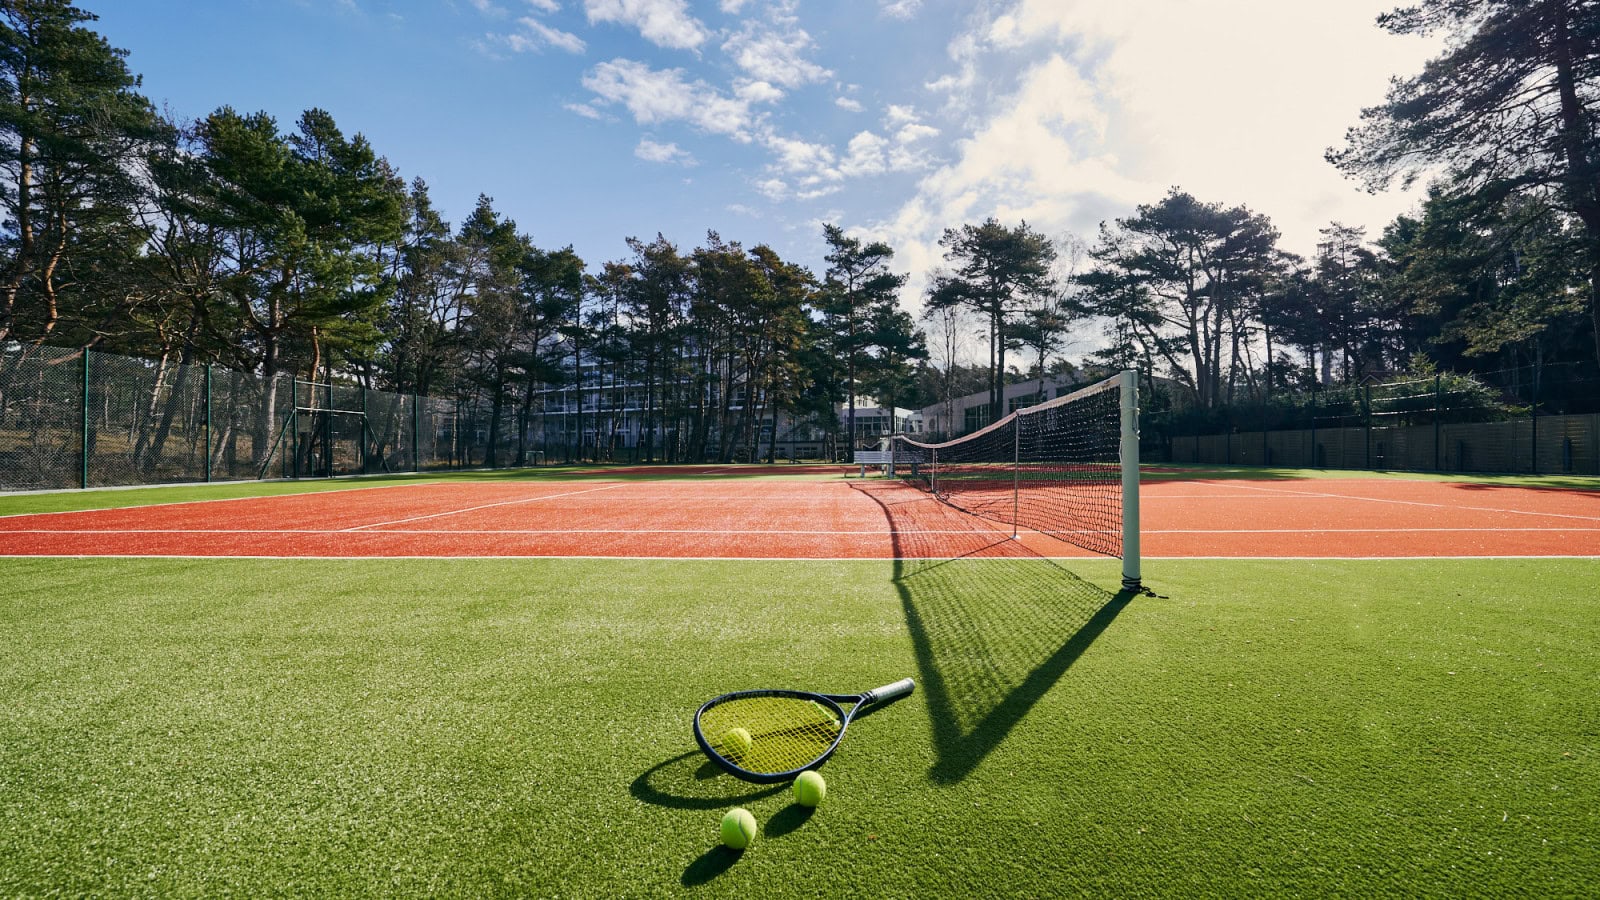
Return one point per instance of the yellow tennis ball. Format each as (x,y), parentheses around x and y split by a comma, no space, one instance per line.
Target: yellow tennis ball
(809,788)
(738,828)
(734,742)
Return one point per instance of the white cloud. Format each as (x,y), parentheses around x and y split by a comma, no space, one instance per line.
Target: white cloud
(533,37)
(1115,102)
(732,7)
(540,34)
(775,55)
(488,8)
(662,153)
(548,6)
(582,109)
(1039,157)
(663,95)
(848,104)
(1267,61)
(899,9)
(798,156)
(817,192)
(867,155)
(666,23)
(774,189)
(758,92)
(899,115)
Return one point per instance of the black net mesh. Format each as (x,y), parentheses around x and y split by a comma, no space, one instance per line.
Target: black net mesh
(1054,468)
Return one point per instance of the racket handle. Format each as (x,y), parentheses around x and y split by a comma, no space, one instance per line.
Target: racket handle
(891,691)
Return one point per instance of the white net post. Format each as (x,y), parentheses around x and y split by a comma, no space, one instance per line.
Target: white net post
(1130,481)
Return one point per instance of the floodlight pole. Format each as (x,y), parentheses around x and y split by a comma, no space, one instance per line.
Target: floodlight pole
(1130,481)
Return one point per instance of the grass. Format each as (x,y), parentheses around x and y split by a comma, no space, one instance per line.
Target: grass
(492,727)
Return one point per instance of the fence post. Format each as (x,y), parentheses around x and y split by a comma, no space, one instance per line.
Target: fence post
(208,423)
(83,454)
(1266,452)
(416,432)
(1313,426)
(294,423)
(363,459)
(327,425)
(1533,407)
(1438,413)
(1366,417)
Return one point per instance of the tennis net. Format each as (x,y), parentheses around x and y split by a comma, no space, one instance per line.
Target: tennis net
(1068,468)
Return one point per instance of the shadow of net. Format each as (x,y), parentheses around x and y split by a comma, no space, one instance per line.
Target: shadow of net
(993,624)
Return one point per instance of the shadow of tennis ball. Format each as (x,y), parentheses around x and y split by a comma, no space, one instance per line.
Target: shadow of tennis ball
(709,865)
(691,781)
(788,819)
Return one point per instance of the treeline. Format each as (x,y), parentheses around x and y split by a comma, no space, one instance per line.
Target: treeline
(233,240)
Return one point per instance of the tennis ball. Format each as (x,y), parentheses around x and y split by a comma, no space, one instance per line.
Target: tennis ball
(734,742)
(809,788)
(738,828)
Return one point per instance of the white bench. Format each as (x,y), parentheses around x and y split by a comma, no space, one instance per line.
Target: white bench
(873,458)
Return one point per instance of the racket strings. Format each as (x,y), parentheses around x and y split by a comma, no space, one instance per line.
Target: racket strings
(783,733)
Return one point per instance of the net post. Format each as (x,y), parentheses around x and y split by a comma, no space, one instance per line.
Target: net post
(1130,481)
(1016,473)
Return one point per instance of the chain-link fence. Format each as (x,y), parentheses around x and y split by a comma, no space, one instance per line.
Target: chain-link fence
(1519,421)
(73,418)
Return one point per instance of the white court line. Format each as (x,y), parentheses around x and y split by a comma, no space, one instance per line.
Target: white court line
(219,484)
(457,512)
(498,531)
(735,532)
(1452,506)
(787,559)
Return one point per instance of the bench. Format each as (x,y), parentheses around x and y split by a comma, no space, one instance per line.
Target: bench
(888,459)
(873,458)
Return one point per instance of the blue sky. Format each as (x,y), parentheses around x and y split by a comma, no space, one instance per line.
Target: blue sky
(592,120)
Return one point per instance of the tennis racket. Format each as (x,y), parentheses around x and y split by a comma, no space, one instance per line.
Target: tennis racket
(773,735)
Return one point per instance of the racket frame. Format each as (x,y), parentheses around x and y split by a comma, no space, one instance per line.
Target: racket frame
(830,702)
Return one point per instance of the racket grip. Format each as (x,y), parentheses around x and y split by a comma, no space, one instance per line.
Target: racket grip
(892,691)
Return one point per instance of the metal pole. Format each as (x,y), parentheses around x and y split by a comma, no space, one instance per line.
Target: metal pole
(416,433)
(1533,407)
(208,422)
(1314,426)
(327,427)
(1130,481)
(363,453)
(294,422)
(1438,413)
(83,456)
(1016,471)
(1366,414)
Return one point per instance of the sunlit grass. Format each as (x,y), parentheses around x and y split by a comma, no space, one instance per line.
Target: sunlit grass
(477,727)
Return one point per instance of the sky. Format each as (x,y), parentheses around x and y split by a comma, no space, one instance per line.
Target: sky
(590,121)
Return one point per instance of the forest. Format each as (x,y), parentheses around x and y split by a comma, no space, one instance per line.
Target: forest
(267,248)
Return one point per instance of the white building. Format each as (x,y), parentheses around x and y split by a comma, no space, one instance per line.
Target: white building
(963,415)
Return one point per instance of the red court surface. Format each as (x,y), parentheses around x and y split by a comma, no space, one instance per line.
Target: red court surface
(870,519)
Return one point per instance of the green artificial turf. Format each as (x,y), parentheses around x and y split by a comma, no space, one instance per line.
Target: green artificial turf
(493,727)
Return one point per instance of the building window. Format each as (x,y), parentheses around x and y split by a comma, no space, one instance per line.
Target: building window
(977,417)
(1023,401)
